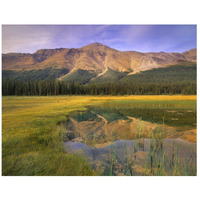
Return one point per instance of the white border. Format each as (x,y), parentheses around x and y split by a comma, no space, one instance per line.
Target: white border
(100,12)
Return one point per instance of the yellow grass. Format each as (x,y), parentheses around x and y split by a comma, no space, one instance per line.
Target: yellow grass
(32,132)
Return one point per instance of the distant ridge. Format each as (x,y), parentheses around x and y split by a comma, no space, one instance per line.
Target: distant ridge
(95,58)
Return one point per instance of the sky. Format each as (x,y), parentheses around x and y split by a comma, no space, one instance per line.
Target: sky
(142,38)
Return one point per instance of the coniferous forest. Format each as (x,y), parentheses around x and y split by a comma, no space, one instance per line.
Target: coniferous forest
(55,87)
(169,80)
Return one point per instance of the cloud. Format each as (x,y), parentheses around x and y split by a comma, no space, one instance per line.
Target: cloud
(29,38)
(24,38)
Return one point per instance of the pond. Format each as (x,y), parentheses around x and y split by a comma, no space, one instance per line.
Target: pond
(136,137)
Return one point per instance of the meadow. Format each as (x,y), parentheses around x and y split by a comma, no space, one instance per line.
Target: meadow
(33,131)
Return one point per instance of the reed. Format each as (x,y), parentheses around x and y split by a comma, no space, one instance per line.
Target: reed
(33,140)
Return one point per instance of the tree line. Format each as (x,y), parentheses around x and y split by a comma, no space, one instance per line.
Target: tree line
(56,87)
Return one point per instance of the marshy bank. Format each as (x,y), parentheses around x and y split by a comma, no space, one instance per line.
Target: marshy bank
(136,137)
(33,135)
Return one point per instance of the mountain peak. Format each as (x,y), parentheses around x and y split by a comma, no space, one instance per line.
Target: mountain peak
(95,56)
(191,54)
(96,45)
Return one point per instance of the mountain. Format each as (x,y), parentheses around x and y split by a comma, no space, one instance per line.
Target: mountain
(92,61)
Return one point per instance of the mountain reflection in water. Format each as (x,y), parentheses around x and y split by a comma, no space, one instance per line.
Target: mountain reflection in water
(123,152)
(119,142)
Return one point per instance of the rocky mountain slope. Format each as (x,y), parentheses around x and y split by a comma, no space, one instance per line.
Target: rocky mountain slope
(95,58)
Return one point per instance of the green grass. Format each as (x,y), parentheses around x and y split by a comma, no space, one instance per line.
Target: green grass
(41,74)
(154,111)
(109,76)
(81,76)
(32,137)
(180,73)
(33,134)
(158,162)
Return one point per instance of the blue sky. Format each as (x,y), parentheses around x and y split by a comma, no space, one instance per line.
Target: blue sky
(142,38)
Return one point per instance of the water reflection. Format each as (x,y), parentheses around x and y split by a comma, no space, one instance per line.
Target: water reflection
(126,157)
(136,139)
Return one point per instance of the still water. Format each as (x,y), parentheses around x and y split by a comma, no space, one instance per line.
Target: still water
(136,137)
